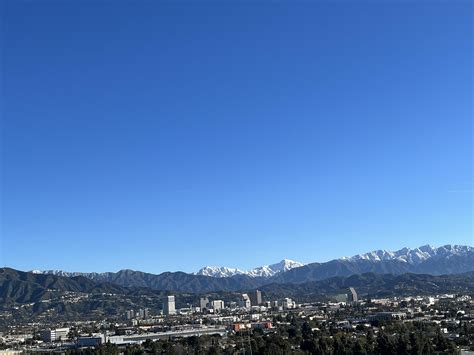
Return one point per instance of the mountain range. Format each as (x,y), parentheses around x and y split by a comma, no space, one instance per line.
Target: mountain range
(261,271)
(448,259)
(26,287)
(60,296)
(213,271)
(27,297)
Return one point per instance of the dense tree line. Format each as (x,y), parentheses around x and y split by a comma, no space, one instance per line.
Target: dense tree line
(301,337)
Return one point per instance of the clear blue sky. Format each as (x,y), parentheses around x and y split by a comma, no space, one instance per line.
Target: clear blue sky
(158,135)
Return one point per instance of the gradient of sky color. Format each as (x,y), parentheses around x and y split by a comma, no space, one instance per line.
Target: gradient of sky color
(169,135)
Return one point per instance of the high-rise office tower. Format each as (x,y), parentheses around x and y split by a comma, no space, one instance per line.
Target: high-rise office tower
(169,306)
(352,295)
(217,305)
(245,301)
(204,303)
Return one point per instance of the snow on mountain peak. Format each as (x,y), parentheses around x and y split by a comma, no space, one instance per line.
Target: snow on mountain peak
(412,256)
(219,271)
(261,271)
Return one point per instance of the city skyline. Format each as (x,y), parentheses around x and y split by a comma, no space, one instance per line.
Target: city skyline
(171,136)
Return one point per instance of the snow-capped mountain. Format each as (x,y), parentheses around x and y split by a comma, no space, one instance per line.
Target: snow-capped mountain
(444,260)
(261,271)
(413,256)
(407,256)
(270,270)
(447,259)
(219,271)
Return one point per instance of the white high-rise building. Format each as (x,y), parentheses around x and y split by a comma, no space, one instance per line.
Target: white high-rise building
(169,306)
(288,303)
(245,301)
(217,305)
(258,297)
(352,295)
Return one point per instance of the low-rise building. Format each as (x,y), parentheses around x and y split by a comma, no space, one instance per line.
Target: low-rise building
(95,340)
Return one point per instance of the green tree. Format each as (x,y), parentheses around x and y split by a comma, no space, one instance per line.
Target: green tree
(385,345)
(306,330)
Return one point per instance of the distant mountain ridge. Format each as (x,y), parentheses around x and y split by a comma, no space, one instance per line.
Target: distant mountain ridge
(27,287)
(262,271)
(413,256)
(27,297)
(213,271)
(89,275)
(448,259)
(410,256)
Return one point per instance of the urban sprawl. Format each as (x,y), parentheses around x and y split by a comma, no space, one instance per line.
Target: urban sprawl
(345,324)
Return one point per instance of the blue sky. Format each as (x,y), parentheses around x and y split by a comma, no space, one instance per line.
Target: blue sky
(158,135)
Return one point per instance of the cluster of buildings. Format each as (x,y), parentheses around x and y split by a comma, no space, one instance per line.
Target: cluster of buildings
(246,302)
(140,314)
(249,311)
